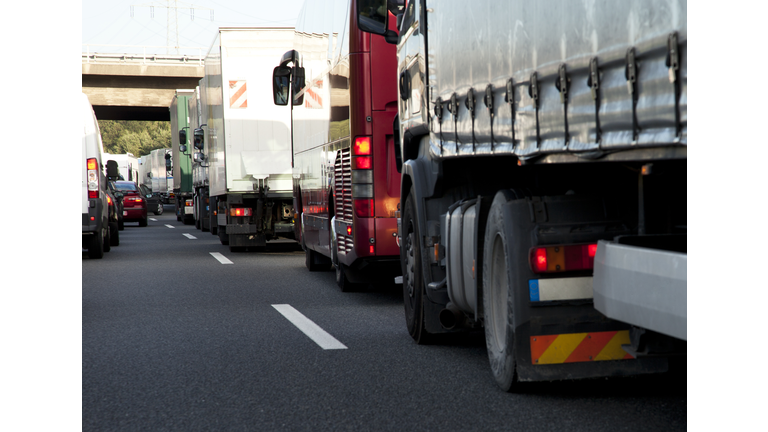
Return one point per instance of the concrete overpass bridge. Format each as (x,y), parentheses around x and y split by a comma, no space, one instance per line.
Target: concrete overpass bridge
(137,86)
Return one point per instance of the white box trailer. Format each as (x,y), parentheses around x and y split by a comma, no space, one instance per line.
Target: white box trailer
(247,140)
(127,165)
(145,167)
(160,175)
(201,204)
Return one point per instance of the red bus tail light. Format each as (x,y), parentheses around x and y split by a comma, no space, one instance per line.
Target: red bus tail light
(560,258)
(362,146)
(363,163)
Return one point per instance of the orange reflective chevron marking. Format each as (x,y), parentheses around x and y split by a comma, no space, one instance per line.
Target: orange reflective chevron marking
(579,347)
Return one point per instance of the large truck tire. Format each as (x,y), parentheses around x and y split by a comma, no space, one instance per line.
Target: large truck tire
(413,280)
(96,246)
(498,298)
(143,222)
(223,237)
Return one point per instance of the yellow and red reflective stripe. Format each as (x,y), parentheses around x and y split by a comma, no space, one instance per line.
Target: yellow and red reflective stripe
(579,347)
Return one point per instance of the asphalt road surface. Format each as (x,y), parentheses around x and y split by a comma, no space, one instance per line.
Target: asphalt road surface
(181,334)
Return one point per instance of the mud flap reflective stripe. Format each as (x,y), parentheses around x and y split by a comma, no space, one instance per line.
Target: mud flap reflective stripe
(579,347)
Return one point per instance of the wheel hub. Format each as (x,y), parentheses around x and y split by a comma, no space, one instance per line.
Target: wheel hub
(410,264)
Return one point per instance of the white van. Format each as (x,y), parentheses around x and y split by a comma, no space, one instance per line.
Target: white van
(94,186)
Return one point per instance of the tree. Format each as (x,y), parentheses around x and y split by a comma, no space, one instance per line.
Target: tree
(136,137)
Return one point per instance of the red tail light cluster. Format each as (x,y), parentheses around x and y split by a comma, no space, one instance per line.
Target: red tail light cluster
(362,185)
(560,258)
(240,212)
(93,178)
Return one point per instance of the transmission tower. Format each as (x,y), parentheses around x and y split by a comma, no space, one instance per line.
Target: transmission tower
(172,7)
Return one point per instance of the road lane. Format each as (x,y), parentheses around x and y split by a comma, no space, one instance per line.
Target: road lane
(173,340)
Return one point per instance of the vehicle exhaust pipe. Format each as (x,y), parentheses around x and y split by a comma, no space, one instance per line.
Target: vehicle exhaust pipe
(451,316)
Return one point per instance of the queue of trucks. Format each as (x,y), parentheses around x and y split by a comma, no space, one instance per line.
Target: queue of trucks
(522,174)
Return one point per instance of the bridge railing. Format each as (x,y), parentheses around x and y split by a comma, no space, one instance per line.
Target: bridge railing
(91,56)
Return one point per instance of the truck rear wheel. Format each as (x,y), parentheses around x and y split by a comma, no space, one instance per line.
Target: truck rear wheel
(498,298)
(413,281)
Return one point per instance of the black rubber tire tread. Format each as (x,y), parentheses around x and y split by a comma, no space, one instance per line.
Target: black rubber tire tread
(343,282)
(96,246)
(223,237)
(313,261)
(496,273)
(114,234)
(143,222)
(413,304)
(108,241)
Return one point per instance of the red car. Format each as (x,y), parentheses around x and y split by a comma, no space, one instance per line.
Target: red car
(134,203)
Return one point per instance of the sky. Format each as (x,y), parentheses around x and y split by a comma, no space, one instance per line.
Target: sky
(134,22)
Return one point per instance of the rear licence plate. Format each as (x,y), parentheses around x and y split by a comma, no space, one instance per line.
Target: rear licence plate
(188,210)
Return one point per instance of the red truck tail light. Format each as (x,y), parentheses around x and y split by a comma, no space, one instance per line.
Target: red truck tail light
(560,258)
(93,178)
(239,212)
(189,203)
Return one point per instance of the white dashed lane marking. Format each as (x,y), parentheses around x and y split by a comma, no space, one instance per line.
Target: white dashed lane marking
(222,259)
(153,219)
(189,236)
(170,226)
(309,328)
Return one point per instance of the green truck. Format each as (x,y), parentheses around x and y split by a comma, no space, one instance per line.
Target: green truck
(181,152)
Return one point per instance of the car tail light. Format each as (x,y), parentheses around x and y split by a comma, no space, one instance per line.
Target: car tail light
(93,178)
(560,258)
(239,212)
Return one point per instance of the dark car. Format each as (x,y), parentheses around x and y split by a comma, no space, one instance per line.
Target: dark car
(114,232)
(118,196)
(154,200)
(134,203)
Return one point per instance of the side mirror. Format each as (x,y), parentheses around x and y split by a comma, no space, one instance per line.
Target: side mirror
(182,136)
(199,135)
(112,172)
(280,85)
(182,148)
(298,85)
(373,17)
(168,165)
